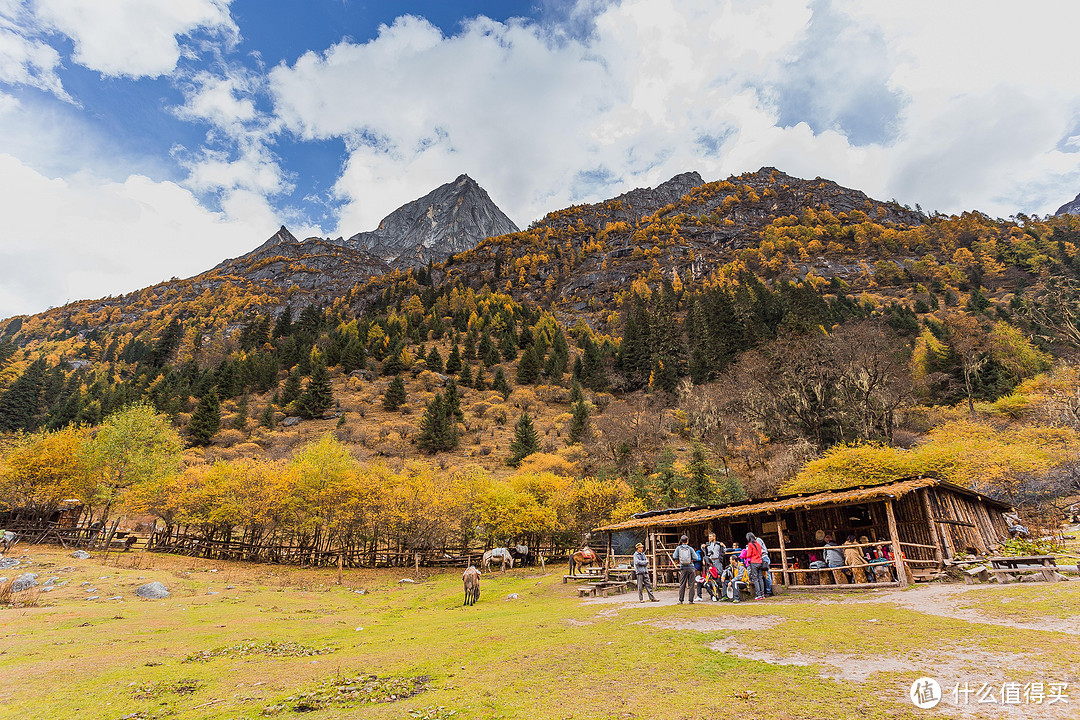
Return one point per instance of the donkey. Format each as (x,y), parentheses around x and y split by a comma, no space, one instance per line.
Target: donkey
(471,579)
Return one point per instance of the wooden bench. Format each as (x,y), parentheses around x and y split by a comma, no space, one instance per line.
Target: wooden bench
(602,589)
(1005,568)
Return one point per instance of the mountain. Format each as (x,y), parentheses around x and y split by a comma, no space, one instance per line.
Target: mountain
(1070,208)
(322,267)
(450,219)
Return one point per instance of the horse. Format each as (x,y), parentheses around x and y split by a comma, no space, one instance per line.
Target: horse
(581,558)
(7,539)
(520,553)
(471,579)
(501,554)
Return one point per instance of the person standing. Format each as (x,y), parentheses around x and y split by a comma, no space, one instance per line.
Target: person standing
(765,563)
(641,571)
(717,551)
(751,555)
(834,558)
(683,557)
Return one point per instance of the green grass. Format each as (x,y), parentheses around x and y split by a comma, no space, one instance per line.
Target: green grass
(543,655)
(1030,602)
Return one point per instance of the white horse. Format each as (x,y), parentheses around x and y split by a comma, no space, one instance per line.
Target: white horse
(501,554)
(7,539)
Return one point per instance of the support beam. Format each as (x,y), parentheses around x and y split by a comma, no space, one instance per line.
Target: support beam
(783,552)
(894,538)
(607,558)
(934,539)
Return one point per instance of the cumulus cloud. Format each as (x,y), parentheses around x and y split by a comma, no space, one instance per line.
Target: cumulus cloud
(925,102)
(134,38)
(84,236)
(24,58)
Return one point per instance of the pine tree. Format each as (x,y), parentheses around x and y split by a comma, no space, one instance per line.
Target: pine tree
(465,376)
(318,396)
(239,420)
(730,490)
(529,368)
(395,396)
(525,443)
(559,359)
(499,384)
(353,356)
(283,326)
(438,427)
(291,391)
(508,347)
(395,361)
(634,359)
(452,401)
(486,348)
(699,490)
(479,382)
(453,362)
(579,423)
(266,420)
(575,392)
(434,360)
(21,402)
(206,420)
(470,346)
(593,373)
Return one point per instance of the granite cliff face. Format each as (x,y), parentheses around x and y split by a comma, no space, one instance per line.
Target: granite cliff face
(1070,208)
(450,219)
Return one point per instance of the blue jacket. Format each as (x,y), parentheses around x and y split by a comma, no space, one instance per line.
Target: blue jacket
(641,562)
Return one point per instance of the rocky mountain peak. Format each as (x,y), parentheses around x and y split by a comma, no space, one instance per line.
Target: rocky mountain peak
(1070,208)
(450,219)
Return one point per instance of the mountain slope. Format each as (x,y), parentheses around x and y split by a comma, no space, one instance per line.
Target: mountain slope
(450,219)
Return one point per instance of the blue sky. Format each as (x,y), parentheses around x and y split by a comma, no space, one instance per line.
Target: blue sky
(145,139)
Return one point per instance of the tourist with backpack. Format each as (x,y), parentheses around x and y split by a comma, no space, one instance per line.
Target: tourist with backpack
(683,557)
(751,555)
(766,575)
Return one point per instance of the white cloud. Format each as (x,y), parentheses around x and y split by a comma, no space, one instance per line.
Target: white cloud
(25,59)
(134,38)
(950,105)
(84,236)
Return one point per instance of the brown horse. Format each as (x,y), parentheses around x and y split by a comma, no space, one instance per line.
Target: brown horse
(583,557)
(471,579)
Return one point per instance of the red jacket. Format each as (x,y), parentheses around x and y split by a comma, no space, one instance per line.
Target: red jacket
(751,553)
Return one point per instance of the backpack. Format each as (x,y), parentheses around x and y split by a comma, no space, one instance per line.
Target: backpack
(685,555)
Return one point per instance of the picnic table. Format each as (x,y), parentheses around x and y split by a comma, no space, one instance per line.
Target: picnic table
(1005,567)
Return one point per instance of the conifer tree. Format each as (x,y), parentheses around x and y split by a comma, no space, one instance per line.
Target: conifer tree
(239,420)
(434,360)
(438,427)
(291,391)
(470,346)
(508,346)
(559,358)
(452,401)
(395,396)
(266,420)
(526,441)
(318,396)
(21,402)
(633,360)
(499,383)
(465,376)
(353,356)
(579,423)
(575,391)
(283,326)
(529,367)
(206,420)
(479,382)
(699,490)
(395,361)
(730,490)
(486,349)
(453,362)
(593,374)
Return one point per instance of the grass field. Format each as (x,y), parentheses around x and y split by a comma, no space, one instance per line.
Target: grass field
(248,641)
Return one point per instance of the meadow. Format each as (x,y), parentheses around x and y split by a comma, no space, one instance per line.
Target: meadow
(246,641)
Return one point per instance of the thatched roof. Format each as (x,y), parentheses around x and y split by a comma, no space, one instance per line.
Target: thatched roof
(844,496)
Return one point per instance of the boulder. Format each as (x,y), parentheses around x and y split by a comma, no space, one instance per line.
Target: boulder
(8,563)
(80,555)
(152,591)
(290,421)
(24,582)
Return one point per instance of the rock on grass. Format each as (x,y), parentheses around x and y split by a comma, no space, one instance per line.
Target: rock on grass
(152,591)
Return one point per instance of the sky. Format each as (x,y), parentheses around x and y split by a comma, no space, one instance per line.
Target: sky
(147,139)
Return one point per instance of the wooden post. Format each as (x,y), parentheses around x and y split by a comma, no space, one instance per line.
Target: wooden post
(894,538)
(655,568)
(340,563)
(783,551)
(925,493)
(416,557)
(607,558)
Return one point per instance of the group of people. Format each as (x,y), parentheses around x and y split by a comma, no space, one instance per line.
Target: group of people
(724,573)
(858,560)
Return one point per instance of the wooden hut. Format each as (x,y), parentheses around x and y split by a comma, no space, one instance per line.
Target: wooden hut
(918,522)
